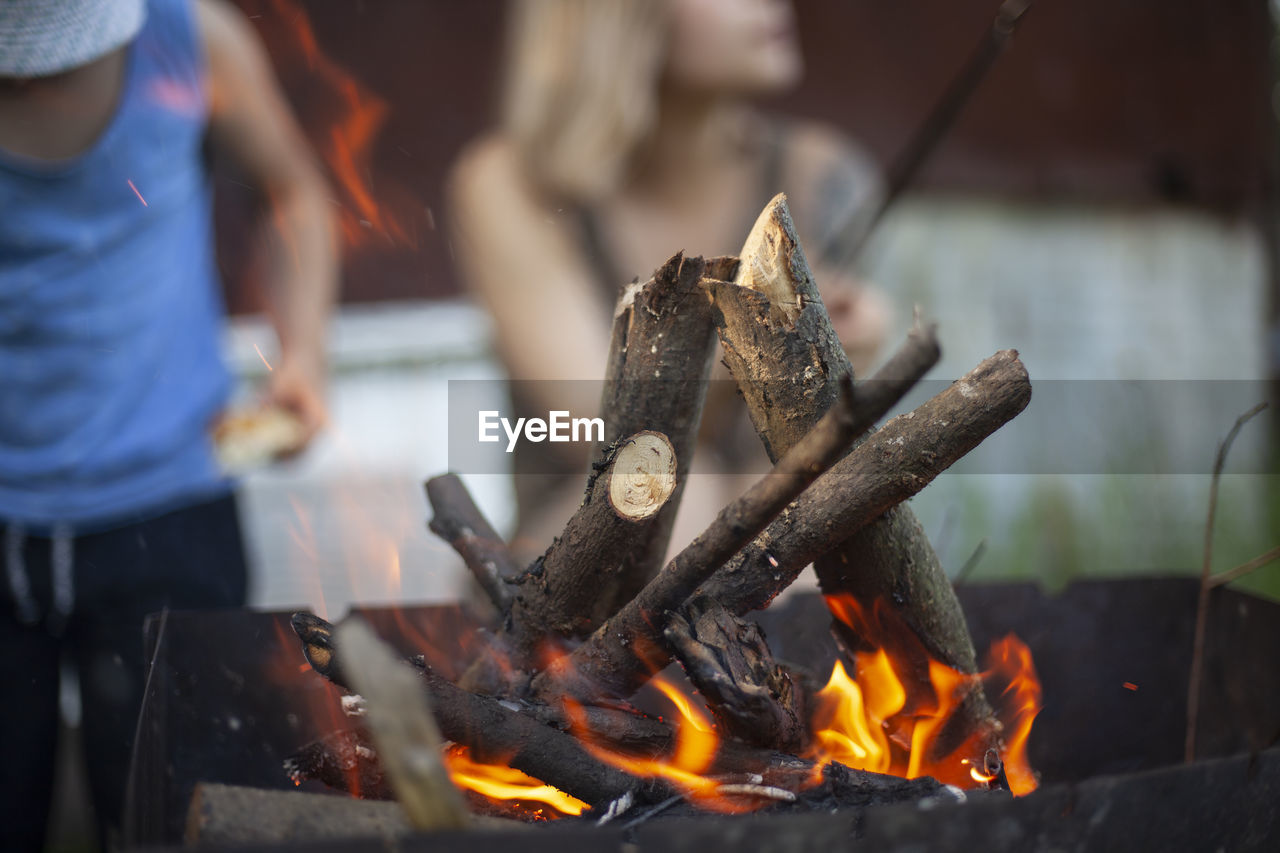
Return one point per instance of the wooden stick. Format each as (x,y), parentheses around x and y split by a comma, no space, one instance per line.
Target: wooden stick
(1246,568)
(406,737)
(781,349)
(458,521)
(1202,600)
(925,138)
(559,596)
(777,338)
(873,399)
(659,364)
(752,698)
(613,659)
(896,462)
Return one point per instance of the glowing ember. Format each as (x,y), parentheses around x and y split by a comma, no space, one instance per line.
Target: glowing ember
(138,194)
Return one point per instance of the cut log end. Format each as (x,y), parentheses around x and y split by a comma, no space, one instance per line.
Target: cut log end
(773,263)
(644,476)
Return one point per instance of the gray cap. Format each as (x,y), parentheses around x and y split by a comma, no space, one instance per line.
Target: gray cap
(43,37)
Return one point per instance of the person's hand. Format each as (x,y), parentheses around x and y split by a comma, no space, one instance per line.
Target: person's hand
(860,315)
(298,387)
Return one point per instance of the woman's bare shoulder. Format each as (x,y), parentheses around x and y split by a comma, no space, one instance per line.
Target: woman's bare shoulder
(487,172)
(483,159)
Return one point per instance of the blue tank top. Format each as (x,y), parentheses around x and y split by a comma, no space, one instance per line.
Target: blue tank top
(110,310)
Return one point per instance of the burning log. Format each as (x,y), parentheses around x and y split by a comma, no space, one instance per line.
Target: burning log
(618,657)
(457,520)
(491,730)
(752,698)
(656,376)
(780,346)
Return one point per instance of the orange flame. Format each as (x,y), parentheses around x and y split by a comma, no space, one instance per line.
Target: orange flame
(499,782)
(354,118)
(897,717)
(696,745)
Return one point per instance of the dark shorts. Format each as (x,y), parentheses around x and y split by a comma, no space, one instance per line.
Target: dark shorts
(190,558)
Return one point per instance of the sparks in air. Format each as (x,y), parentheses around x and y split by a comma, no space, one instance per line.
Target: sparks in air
(129,181)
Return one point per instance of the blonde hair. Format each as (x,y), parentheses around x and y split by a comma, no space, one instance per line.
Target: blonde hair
(581,89)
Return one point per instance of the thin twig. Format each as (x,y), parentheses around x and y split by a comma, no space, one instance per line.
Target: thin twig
(970,564)
(459,522)
(1202,602)
(1243,569)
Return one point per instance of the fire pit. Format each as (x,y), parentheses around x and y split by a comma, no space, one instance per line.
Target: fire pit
(545,705)
(228,703)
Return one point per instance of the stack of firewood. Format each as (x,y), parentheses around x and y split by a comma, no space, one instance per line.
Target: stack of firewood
(587,624)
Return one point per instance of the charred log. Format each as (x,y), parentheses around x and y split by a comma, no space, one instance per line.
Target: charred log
(344,761)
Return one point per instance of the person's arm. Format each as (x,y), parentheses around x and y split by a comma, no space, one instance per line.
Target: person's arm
(519,258)
(251,123)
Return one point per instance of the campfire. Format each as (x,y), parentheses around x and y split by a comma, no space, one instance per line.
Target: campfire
(569,703)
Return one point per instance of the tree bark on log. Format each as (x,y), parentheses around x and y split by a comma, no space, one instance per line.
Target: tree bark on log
(896,462)
(560,594)
(618,657)
(558,598)
(780,346)
(659,364)
(727,659)
(625,657)
(457,520)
